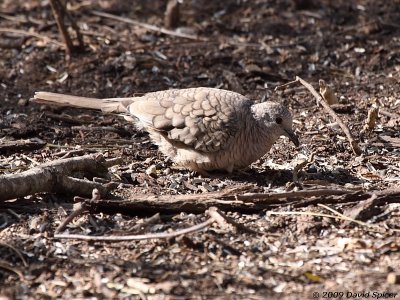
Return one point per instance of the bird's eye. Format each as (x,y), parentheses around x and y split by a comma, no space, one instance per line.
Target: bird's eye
(278,120)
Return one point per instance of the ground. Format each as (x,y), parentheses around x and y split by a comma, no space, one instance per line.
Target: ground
(245,46)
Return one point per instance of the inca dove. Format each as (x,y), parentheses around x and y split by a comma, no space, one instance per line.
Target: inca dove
(202,129)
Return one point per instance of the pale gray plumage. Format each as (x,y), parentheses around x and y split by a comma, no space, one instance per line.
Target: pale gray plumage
(201,129)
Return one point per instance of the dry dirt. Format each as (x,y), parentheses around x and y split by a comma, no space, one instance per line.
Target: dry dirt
(251,47)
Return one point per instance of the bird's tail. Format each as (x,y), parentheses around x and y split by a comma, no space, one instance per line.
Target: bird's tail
(115,105)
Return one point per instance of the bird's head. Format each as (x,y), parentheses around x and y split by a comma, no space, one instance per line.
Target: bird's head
(277,118)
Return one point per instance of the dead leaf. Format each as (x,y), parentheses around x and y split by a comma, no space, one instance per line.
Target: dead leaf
(327,93)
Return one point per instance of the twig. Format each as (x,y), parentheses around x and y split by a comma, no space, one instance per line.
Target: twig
(215,216)
(78,210)
(21,145)
(300,166)
(342,216)
(19,254)
(226,222)
(283,86)
(6,266)
(291,195)
(303,213)
(147,26)
(34,34)
(162,235)
(375,226)
(389,114)
(66,154)
(22,19)
(75,27)
(337,215)
(152,220)
(172,16)
(354,144)
(59,11)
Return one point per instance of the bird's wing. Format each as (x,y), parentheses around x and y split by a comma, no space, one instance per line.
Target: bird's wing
(204,119)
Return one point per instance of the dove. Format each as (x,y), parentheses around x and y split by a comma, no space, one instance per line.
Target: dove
(202,129)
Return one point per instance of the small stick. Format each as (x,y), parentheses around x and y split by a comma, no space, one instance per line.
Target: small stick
(12,269)
(19,254)
(293,194)
(389,114)
(172,16)
(78,210)
(75,27)
(140,237)
(59,17)
(59,11)
(152,220)
(147,26)
(225,222)
(342,216)
(354,145)
(216,216)
(300,166)
(34,34)
(303,213)
(283,86)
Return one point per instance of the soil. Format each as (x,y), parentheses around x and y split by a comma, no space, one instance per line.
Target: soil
(249,47)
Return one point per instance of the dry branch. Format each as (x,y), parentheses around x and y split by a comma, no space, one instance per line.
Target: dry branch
(198,203)
(175,203)
(56,176)
(144,204)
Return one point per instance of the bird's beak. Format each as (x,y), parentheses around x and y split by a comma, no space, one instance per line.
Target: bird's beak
(291,135)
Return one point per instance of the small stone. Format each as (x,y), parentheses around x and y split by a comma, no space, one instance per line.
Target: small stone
(152,171)
(393,278)
(312,169)
(22,102)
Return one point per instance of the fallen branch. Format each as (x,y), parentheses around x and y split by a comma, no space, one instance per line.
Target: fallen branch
(56,176)
(197,203)
(246,203)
